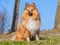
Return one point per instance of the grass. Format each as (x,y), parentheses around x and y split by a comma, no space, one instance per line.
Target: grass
(44,40)
(18,43)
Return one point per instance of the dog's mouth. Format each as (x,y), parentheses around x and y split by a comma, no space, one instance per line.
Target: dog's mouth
(30,13)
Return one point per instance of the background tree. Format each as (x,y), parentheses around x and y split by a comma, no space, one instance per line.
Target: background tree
(57,18)
(2,22)
(15,16)
(2,17)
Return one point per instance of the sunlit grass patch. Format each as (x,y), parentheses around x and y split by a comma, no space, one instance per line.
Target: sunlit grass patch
(19,43)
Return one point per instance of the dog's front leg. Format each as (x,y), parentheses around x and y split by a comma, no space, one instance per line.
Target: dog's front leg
(28,39)
(36,37)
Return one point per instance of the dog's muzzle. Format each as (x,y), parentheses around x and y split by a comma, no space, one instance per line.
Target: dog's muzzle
(30,13)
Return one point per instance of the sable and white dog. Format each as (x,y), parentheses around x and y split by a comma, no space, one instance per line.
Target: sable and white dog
(29,26)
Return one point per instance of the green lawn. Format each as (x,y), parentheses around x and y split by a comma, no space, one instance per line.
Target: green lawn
(44,40)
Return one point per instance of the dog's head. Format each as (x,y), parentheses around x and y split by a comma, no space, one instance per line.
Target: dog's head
(30,11)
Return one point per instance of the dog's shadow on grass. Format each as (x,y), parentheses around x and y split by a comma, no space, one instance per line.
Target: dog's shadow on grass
(40,38)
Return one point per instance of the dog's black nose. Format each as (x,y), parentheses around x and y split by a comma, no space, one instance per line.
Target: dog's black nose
(30,13)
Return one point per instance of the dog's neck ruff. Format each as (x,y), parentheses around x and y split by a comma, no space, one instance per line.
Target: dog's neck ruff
(32,26)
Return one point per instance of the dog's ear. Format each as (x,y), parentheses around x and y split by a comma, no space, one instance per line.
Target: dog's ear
(33,4)
(26,5)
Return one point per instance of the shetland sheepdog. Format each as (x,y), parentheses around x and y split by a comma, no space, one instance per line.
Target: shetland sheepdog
(29,26)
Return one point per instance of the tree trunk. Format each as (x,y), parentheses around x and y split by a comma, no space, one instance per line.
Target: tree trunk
(57,18)
(15,16)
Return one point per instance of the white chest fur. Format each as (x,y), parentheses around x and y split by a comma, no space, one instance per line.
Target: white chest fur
(32,26)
